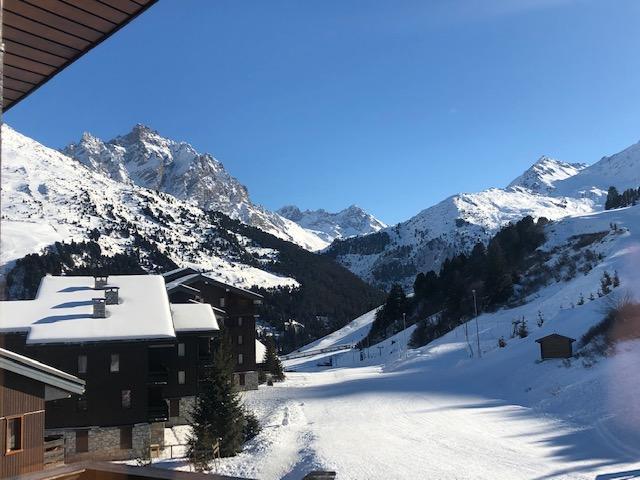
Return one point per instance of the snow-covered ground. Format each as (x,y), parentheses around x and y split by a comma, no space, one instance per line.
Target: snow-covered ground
(438,413)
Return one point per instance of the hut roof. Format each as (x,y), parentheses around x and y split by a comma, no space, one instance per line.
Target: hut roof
(555,335)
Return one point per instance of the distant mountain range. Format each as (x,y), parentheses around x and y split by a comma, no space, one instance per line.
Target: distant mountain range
(62,216)
(145,158)
(350,222)
(152,175)
(549,188)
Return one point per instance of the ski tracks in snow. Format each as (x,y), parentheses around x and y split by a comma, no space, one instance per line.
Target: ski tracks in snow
(285,449)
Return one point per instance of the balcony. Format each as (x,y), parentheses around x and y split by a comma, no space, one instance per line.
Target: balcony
(158,375)
(158,412)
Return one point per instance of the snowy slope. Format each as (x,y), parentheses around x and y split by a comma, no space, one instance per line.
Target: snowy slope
(621,170)
(350,334)
(48,197)
(436,412)
(145,158)
(549,188)
(346,223)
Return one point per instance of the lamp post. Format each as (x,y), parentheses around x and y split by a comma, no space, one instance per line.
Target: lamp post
(475,308)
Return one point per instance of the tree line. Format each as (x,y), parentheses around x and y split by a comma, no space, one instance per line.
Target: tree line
(617,200)
(491,271)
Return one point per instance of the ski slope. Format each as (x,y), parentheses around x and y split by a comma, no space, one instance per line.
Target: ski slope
(439,413)
(350,334)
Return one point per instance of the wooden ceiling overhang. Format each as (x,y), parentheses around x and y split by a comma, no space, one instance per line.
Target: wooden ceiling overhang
(42,37)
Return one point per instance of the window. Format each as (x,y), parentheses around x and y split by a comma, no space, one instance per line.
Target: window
(239,321)
(181,377)
(114,367)
(82,441)
(14,434)
(241,379)
(174,407)
(240,359)
(239,339)
(81,404)
(126,438)
(82,364)
(181,350)
(125,397)
(222,302)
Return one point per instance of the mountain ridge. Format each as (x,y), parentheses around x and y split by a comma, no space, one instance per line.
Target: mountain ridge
(147,159)
(549,188)
(349,222)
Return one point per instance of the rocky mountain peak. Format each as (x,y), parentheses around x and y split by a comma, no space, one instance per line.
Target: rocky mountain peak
(542,176)
(351,221)
(147,159)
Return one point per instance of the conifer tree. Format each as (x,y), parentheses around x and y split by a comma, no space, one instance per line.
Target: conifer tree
(613,199)
(218,412)
(523,331)
(616,280)
(272,362)
(605,283)
(498,280)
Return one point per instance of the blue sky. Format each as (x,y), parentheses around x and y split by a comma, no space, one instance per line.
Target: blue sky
(392,105)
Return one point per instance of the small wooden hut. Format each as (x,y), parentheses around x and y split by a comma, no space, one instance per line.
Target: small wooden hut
(555,346)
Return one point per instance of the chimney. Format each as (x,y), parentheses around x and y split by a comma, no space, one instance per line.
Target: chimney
(100,281)
(111,295)
(99,310)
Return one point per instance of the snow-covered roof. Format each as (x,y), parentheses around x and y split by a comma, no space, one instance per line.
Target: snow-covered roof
(554,335)
(57,380)
(62,311)
(178,282)
(193,317)
(189,278)
(211,278)
(177,272)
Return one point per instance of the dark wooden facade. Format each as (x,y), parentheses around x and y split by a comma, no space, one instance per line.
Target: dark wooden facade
(21,397)
(239,317)
(149,370)
(555,346)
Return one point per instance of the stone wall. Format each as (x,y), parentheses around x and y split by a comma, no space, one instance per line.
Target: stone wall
(186,407)
(250,381)
(104,442)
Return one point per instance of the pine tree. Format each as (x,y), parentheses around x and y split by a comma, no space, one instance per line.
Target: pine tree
(581,299)
(499,284)
(540,318)
(523,331)
(272,362)
(218,412)
(616,280)
(605,283)
(613,199)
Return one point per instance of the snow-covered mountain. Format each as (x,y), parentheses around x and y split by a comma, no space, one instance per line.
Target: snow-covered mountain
(542,175)
(47,197)
(549,188)
(350,222)
(74,219)
(144,158)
